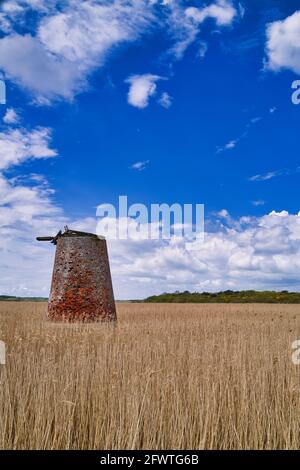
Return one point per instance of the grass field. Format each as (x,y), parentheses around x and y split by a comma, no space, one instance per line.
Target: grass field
(168,376)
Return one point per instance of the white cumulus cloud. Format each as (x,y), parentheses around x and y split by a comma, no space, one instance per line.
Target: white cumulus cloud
(283,44)
(26,209)
(248,253)
(141,88)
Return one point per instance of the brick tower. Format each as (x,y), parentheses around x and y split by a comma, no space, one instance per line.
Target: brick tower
(81,288)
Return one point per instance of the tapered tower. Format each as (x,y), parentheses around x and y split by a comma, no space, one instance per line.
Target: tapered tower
(81,288)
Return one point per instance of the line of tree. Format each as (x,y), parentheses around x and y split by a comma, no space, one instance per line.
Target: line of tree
(22,299)
(228,296)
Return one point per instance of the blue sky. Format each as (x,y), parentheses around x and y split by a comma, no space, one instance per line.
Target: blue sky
(172,101)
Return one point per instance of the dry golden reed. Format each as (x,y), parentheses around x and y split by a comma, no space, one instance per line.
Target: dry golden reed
(167,377)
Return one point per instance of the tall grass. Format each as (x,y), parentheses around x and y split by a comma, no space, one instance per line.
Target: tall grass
(168,376)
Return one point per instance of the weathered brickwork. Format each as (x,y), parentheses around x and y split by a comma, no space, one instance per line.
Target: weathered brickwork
(81,287)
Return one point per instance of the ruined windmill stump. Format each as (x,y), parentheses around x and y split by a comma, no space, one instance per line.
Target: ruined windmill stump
(81,288)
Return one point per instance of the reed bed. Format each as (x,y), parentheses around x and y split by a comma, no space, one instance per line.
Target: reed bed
(202,376)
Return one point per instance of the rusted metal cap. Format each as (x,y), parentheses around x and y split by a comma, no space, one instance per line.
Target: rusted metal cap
(68,233)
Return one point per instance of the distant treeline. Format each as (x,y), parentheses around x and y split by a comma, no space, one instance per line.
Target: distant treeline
(228,296)
(22,299)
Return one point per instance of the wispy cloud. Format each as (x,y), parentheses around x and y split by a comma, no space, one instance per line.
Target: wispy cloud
(202,49)
(224,214)
(54,58)
(256,119)
(18,145)
(68,43)
(273,174)
(221,11)
(258,203)
(11,116)
(165,100)
(185,23)
(233,143)
(139,166)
